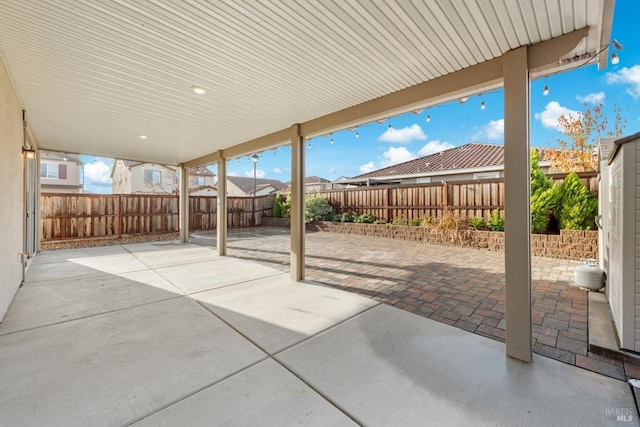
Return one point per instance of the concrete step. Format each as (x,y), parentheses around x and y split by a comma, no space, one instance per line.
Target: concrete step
(603,338)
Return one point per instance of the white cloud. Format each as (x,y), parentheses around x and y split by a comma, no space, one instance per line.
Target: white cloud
(434,146)
(367,167)
(494,130)
(277,170)
(259,173)
(395,155)
(97,173)
(404,135)
(549,116)
(232,173)
(627,76)
(592,98)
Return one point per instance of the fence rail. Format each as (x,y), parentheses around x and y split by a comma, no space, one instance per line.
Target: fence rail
(462,198)
(76,216)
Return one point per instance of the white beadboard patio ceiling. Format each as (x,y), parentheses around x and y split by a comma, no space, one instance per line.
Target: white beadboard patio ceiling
(94,74)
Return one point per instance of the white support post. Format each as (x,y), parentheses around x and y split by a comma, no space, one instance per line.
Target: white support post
(221,214)
(297,205)
(183,201)
(517,250)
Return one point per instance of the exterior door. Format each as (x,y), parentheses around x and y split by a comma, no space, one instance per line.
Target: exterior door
(31,194)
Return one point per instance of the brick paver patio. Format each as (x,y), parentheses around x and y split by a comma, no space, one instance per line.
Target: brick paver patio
(457,286)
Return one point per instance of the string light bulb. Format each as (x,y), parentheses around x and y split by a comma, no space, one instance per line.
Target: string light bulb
(357,134)
(615,59)
(428,118)
(309,146)
(545,91)
(331,142)
(482,104)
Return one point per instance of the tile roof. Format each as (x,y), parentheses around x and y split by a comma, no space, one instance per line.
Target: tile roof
(472,155)
(246,184)
(315,180)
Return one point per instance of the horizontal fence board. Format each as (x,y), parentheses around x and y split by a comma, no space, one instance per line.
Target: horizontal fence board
(77,216)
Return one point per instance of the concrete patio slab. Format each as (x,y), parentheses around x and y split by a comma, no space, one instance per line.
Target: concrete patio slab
(220,272)
(111,264)
(263,395)
(116,368)
(41,305)
(63,254)
(276,313)
(168,254)
(336,357)
(389,367)
(59,271)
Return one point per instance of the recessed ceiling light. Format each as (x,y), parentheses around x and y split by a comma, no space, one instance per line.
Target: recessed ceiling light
(198,90)
(143,136)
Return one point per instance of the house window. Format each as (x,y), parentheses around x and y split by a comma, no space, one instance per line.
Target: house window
(53,170)
(152,177)
(485,175)
(198,180)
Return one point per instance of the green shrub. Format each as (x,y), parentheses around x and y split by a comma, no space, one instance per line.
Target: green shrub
(277,206)
(400,221)
(346,217)
(416,222)
(543,205)
(578,206)
(365,218)
(379,221)
(545,196)
(317,208)
(477,223)
(285,207)
(496,222)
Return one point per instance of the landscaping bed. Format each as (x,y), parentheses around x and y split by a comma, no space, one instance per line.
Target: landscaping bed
(569,244)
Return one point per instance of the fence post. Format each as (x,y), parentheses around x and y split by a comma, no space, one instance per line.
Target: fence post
(387,211)
(120,217)
(445,197)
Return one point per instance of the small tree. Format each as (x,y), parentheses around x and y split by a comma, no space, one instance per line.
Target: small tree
(582,132)
(544,196)
(277,206)
(578,206)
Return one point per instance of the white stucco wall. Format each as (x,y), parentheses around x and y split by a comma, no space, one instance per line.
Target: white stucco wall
(11,192)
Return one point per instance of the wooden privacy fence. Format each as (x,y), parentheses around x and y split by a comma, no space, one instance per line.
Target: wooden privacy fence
(73,216)
(462,198)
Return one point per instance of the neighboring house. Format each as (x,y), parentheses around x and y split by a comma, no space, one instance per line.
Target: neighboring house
(132,177)
(315,183)
(312,184)
(60,173)
(466,162)
(342,182)
(239,186)
(202,182)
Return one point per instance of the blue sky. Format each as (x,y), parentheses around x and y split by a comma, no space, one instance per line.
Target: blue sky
(453,124)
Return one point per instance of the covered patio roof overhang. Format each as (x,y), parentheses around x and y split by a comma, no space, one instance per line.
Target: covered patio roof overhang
(94,76)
